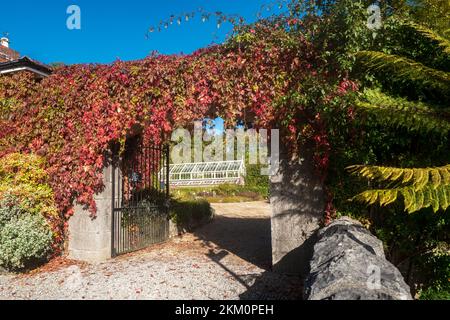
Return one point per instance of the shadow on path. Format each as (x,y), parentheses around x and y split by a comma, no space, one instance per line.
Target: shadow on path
(247,238)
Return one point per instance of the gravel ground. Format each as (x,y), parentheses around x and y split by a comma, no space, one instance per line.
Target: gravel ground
(226,259)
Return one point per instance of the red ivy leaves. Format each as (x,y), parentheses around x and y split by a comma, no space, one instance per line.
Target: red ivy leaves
(73,115)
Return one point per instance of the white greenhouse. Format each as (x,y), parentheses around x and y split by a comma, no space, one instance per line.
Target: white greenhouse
(207,173)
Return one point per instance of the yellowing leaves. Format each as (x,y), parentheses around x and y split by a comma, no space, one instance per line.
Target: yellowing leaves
(24,177)
(437,199)
(418,187)
(421,178)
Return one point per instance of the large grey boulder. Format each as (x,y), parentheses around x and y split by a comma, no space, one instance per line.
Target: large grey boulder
(348,263)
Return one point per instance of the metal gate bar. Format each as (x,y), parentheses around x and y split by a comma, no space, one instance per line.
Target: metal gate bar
(140,189)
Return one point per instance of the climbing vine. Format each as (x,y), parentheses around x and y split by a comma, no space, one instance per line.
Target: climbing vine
(269,73)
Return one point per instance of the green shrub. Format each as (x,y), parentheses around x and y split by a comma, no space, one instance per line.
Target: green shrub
(186,212)
(9,209)
(23,176)
(24,238)
(30,225)
(436,266)
(435,293)
(27,202)
(256,182)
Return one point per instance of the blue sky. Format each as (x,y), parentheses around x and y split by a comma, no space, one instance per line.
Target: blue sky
(113,30)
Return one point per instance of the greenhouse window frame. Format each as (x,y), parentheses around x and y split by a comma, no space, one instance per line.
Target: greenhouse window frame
(207,173)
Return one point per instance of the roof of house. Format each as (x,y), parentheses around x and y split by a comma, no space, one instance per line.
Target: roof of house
(25,64)
(8,54)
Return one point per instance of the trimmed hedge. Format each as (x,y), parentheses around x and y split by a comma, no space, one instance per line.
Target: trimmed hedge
(184,213)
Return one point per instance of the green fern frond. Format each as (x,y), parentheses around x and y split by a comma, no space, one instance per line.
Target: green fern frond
(415,178)
(421,179)
(413,200)
(442,42)
(419,187)
(400,112)
(435,178)
(447,33)
(404,69)
(408,174)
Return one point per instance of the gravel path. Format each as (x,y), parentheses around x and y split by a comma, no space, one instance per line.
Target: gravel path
(226,259)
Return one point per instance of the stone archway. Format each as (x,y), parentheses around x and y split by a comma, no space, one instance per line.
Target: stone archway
(297,204)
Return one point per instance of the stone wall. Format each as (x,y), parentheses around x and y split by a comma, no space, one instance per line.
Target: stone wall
(348,263)
(297,203)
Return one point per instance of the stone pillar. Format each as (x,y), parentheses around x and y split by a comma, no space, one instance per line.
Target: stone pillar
(90,238)
(297,202)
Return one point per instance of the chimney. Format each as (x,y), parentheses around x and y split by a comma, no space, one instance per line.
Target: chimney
(4,42)
(6,53)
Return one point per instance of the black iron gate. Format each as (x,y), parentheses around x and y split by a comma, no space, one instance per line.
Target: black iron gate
(140,188)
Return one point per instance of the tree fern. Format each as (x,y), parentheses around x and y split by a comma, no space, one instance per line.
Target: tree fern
(447,33)
(404,69)
(400,112)
(419,177)
(418,187)
(442,42)
(433,13)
